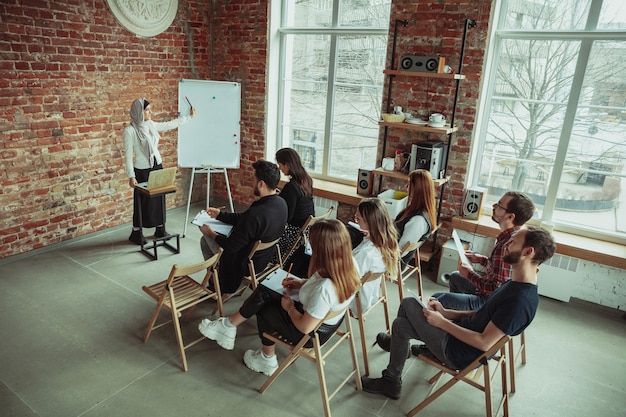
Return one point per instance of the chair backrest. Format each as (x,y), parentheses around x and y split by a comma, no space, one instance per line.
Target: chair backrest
(258,247)
(370,276)
(186,270)
(302,235)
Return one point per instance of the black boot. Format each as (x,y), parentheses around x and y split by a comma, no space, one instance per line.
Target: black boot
(137,238)
(388,386)
(417,350)
(160,231)
(384,341)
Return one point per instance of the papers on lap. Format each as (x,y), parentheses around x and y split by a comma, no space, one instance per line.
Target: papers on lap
(460,249)
(274,282)
(217,226)
(412,294)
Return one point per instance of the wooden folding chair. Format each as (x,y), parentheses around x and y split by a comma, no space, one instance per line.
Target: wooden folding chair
(472,376)
(382,299)
(304,230)
(179,293)
(253,278)
(318,354)
(405,270)
(513,357)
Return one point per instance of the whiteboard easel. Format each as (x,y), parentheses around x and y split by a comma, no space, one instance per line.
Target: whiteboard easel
(208,172)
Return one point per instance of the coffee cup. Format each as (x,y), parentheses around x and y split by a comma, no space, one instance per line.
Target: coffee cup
(437,118)
(397,109)
(408,116)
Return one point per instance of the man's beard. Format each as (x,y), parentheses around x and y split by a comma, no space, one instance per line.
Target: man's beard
(512,257)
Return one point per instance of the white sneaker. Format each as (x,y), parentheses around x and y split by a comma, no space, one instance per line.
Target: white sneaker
(218,330)
(256,361)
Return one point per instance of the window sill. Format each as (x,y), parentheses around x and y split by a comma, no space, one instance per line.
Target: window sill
(342,193)
(593,250)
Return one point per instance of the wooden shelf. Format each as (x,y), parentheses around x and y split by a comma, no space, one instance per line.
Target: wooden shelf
(445,130)
(425,74)
(401,176)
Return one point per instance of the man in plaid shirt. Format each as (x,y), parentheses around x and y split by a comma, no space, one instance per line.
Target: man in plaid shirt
(469,289)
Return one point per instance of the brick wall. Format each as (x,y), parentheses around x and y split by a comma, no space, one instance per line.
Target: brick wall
(69,72)
(436,29)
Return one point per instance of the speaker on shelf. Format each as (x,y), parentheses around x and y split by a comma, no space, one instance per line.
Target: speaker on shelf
(422,64)
(473,202)
(364,182)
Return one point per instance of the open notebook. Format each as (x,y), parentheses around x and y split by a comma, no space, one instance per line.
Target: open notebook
(159,180)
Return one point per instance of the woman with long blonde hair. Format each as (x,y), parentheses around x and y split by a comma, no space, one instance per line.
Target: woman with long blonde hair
(418,219)
(333,281)
(378,251)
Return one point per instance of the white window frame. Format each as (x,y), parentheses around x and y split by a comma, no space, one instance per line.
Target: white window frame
(586,38)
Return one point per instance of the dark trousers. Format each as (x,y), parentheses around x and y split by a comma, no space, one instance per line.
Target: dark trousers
(152,214)
(271,317)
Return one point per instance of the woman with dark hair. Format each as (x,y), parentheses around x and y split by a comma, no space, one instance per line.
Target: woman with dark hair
(333,282)
(141,139)
(417,220)
(298,194)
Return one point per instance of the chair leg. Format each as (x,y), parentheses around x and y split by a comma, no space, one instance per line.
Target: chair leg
(179,339)
(364,343)
(322,378)
(153,319)
(512,364)
(418,275)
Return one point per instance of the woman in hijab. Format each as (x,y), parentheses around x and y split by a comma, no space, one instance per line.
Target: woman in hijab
(141,139)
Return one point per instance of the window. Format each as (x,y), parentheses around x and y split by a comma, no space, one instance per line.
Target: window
(553,123)
(330,86)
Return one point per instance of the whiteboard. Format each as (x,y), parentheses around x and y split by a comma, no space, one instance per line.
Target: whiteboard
(212,137)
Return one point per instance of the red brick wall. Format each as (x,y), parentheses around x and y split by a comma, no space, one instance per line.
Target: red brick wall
(436,29)
(69,72)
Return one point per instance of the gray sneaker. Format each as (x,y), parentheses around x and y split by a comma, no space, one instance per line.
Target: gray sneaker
(256,361)
(218,330)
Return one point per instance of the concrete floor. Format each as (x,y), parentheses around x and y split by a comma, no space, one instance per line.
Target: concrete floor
(73,316)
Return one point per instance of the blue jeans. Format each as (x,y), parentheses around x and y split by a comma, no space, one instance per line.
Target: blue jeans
(461,302)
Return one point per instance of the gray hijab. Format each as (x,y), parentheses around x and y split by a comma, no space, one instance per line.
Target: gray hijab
(146,131)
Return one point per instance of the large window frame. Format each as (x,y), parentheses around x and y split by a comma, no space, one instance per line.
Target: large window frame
(319,151)
(489,101)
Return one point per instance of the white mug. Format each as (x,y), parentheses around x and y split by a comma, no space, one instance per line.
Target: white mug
(397,109)
(388,164)
(408,116)
(437,118)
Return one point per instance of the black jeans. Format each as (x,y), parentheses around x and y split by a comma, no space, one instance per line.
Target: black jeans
(271,317)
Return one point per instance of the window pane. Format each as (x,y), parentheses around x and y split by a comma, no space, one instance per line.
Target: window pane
(528,104)
(308,13)
(364,13)
(306,86)
(590,193)
(546,14)
(613,15)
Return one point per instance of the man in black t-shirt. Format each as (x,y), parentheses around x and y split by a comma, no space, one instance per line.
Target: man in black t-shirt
(457,338)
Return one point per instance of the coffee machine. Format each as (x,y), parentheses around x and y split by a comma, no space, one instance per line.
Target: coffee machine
(429,155)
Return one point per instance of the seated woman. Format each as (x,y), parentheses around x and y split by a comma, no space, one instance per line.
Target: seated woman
(416,221)
(333,282)
(378,250)
(297,193)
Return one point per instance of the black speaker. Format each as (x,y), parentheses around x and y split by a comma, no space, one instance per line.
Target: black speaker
(473,202)
(422,63)
(364,182)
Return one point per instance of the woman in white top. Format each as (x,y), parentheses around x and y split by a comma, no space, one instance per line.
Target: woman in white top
(416,221)
(333,282)
(141,139)
(378,251)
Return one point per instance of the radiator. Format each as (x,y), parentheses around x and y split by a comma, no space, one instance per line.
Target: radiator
(556,277)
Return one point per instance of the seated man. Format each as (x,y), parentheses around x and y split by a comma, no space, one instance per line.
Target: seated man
(469,289)
(457,338)
(265,220)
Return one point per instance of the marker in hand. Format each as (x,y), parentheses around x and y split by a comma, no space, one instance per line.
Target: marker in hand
(188,102)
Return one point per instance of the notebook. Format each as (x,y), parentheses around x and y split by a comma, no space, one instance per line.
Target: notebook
(158,179)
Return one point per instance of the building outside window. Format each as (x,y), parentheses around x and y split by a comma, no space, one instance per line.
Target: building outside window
(553,118)
(331,83)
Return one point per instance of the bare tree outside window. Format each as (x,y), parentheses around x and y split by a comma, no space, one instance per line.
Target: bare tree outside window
(557,115)
(332,82)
